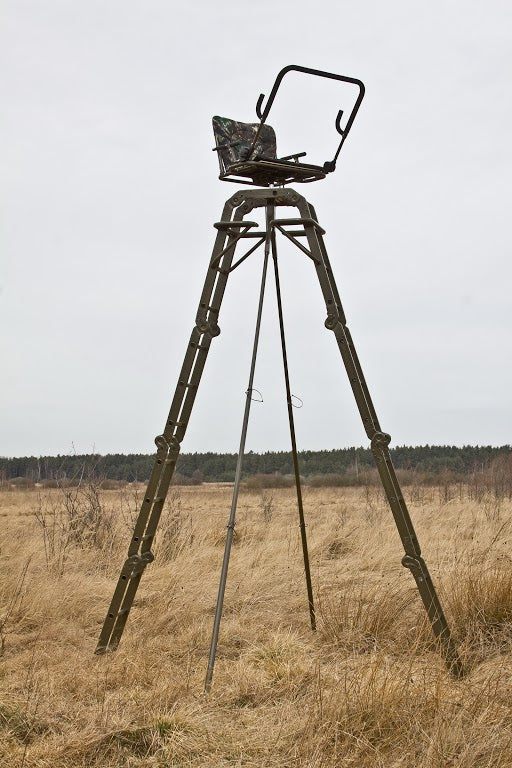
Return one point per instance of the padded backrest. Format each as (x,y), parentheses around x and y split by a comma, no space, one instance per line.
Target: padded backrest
(241,135)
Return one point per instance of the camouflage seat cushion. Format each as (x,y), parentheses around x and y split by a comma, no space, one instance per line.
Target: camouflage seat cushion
(239,138)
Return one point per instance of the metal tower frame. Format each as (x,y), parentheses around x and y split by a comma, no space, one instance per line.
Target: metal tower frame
(247,154)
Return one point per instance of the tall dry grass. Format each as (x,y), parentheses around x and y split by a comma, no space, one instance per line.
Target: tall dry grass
(367,690)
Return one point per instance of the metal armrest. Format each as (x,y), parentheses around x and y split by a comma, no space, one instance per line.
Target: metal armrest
(280,159)
(293,157)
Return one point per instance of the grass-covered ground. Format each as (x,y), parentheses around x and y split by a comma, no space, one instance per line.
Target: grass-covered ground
(368,689)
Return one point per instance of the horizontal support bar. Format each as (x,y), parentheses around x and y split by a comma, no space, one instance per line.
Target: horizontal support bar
(310,222)
(234,224)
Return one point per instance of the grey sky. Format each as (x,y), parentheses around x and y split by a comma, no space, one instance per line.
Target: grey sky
(110,191)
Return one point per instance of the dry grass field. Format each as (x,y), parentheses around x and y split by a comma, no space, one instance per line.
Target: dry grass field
(367,690)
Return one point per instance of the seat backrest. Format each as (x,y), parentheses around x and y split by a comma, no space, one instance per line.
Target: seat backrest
(241,136)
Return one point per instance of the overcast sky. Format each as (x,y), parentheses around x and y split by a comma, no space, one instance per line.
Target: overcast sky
(110,189)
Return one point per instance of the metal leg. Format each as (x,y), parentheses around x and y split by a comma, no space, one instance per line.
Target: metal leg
(379,441)
(238,476)
(302,522)
(168,443)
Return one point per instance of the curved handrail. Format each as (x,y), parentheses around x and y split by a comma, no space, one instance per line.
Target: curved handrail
(329,166)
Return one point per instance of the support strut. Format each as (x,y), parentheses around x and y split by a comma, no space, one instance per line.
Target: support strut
(238,476)
(291,422)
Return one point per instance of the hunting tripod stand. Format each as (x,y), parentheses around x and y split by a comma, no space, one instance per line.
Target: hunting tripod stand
(247,155)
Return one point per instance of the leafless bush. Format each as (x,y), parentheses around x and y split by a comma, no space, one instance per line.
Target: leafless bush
(90,521)
(493,480)
(257,482)
(130,500)
(420,493)
(74,516)
(21,483)
(54,524)
(501,476)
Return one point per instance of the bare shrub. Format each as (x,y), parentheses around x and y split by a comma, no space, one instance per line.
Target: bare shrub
(492,480)
(419,492)
(501,476)
(21,483)
(130,501)
(54,524)
(74,516)
(90,521)
(446,487)
(257,482)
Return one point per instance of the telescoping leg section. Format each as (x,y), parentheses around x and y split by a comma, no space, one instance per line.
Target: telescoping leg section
(306,234)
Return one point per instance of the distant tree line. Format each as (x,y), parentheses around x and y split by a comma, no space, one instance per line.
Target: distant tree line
(350,463)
